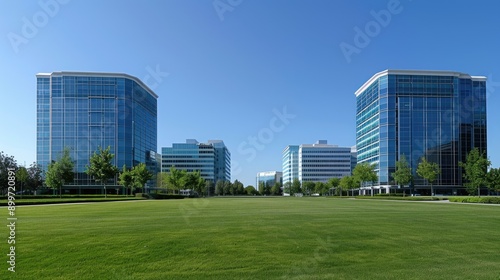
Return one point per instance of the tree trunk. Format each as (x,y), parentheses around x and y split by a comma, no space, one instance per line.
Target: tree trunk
(105,194)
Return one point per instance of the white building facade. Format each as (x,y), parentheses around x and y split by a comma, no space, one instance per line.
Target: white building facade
(317,162)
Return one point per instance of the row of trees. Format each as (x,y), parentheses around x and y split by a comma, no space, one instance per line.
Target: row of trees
(476,174)
(29,178)
(60,172)
(101,169)
(177,180)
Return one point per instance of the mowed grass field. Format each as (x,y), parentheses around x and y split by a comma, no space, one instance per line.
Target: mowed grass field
(256,238)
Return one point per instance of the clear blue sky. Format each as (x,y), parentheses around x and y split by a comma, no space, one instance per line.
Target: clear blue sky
(230,70)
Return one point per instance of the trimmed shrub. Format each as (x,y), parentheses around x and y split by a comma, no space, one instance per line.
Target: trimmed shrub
(475,199)
(412,198)
(166,196)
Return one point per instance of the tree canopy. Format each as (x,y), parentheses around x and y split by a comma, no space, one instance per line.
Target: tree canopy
(429,171)
(60,172)
(493,179)
(475,170)
(403,174)
(101,167)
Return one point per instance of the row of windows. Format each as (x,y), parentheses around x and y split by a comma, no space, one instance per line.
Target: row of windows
(326,160)
(326,165)
(308,170)
(308,177)
(187,161)
(321,151)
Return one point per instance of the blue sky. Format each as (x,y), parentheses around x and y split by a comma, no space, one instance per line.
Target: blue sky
(259,75)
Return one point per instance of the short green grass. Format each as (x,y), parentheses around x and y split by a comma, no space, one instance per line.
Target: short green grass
(256,238)
(57,200)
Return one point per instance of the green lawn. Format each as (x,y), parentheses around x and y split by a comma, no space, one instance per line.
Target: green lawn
(256,238)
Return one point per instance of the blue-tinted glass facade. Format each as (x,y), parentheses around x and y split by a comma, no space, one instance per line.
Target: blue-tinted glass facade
(212,159)
(269,178)
(82,111)
(437,115)
(290,163)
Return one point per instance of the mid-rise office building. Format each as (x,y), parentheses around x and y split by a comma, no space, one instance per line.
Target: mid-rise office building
(437,115)
(212,159)
(317,162)
(269,178)
(82,111)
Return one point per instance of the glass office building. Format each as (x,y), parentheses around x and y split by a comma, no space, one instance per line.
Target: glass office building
(290,163)
(212,159)
(269,178)
(82,111)
(317,162)
(438,115)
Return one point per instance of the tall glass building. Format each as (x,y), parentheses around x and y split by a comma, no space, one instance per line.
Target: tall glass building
(212,159)
(82,111)
(438,115)
(290,163)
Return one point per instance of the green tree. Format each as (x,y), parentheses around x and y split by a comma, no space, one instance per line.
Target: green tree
(365,172)
(334,183)
(239,188)
(320,187)
(348,183)
(126,179)
(141,175)
(287,188)
(22,176)
(493,179)
(191,180)
(6,162)
(200,183)
(101,167)
(403,175)
(250,190)
(227,189)
(60,172)
(232,189)
(219,187)
(296,186)
(475,170)
(262,187)
(176,179)
(35,180)
(209,187)
(276,189)
(429,171)
(308,187)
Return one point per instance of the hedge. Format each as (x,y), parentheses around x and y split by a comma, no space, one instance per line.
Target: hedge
(475,199)
(164,196)
(412,198)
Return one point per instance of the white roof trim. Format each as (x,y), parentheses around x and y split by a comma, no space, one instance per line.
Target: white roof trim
(98,74)
(417,72)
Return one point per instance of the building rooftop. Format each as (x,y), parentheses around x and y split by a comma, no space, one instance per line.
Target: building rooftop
(98,74)
(417,72)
